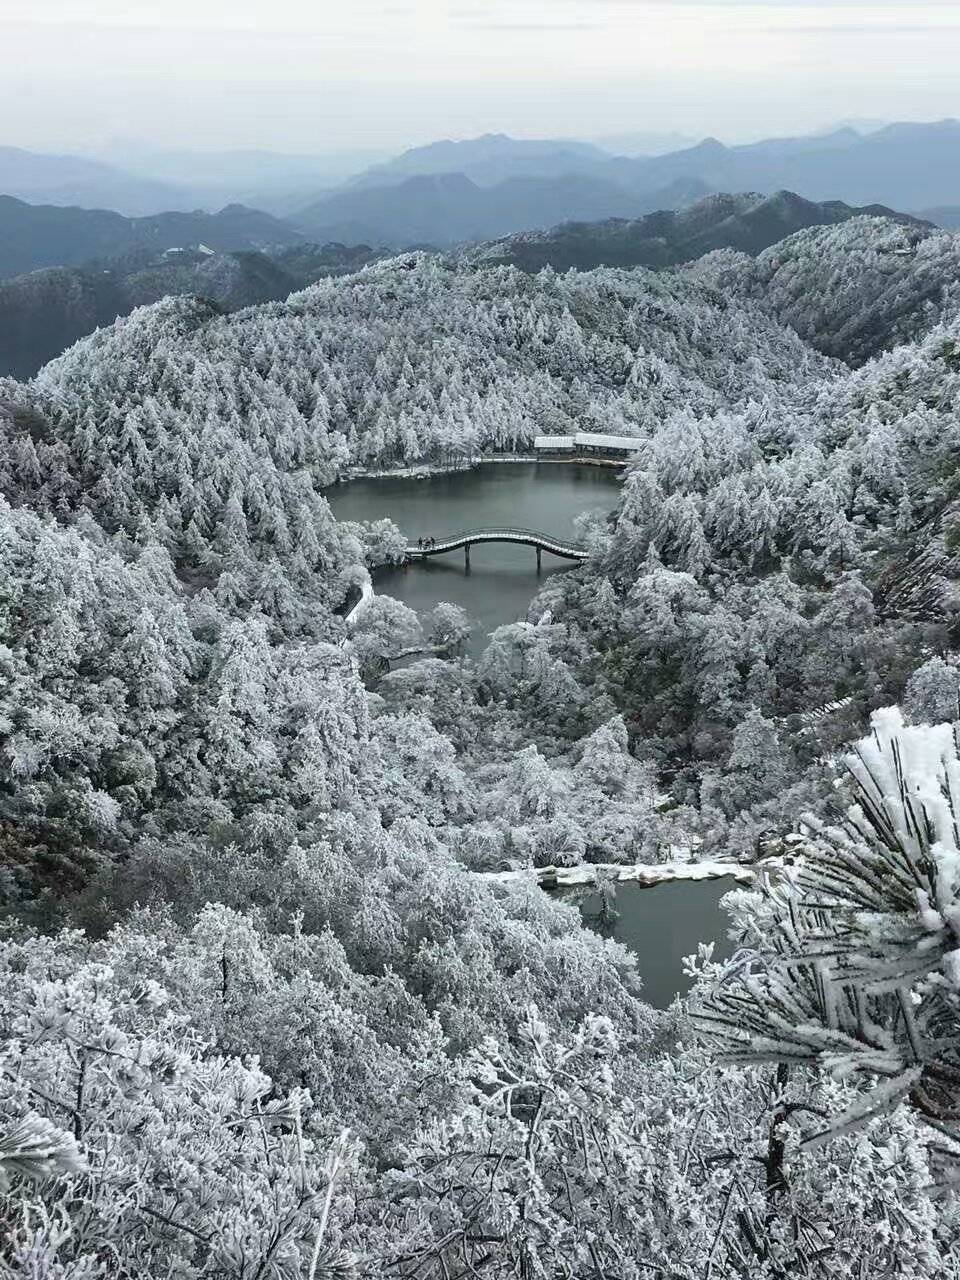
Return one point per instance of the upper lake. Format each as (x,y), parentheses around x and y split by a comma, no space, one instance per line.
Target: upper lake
(502,579)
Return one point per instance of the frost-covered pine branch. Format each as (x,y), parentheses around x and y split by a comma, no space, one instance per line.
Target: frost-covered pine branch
(34,1149)
(856,964)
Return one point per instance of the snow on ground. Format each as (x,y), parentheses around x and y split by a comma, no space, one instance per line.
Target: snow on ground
(643,873)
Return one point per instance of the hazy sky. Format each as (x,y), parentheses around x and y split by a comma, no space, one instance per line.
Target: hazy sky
(318,75)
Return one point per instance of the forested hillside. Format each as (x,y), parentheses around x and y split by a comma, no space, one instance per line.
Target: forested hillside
(44,312)
(852,290)
(413,359)
(267,1015)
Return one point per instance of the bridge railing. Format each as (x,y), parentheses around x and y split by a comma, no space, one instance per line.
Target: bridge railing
(500,532)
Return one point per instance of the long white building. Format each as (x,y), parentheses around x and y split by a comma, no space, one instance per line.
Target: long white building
(588,444)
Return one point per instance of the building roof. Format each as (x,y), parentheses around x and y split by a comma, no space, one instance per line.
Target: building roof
(553,442)
(589,440)
(597,440)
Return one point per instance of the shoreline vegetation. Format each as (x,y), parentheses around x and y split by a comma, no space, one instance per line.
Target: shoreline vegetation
(421,471)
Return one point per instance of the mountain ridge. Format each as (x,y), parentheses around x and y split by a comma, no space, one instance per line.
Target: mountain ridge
(907,165)
(486,160)
(913,165)
(35,236)
(750,222)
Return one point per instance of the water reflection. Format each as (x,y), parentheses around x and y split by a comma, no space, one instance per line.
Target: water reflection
(660,925)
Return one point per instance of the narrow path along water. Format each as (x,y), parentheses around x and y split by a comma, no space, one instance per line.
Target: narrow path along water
(502,579)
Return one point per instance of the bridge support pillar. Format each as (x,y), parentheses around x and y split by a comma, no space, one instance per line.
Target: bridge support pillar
(466,557)
(539,558)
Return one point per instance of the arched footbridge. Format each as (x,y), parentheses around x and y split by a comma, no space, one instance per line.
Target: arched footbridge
(561,547)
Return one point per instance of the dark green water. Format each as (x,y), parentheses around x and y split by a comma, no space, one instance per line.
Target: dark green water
(502,579)
(661,925)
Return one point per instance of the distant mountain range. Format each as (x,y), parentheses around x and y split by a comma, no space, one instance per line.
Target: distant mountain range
(76,180)
(747,222)
(448,209)
(562,202)
(911,166)
(902,166)
(33,236)
(139,181)
(488,160)
(907,166)
(494,186)
(278,182)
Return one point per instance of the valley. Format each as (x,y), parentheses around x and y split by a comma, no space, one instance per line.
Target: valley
(311,966)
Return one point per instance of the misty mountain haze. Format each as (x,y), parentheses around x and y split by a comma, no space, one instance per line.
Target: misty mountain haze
(947,216)
(75,180)
(903,166)
(270,180)
(488,160)
(644,143)
(447,209)
(384,205)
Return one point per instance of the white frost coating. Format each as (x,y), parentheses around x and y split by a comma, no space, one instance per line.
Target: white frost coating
(589,440)
(421,470)
(931,775)
(647,874)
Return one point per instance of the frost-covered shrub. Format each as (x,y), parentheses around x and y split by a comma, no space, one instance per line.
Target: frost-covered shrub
(133,1145)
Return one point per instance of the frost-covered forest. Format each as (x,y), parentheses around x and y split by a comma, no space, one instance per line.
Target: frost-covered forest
(262,1015)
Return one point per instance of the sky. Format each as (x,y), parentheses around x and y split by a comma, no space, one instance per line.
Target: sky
(341,75)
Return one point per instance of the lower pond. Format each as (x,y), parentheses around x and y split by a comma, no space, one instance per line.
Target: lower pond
(502,579)
(660,925)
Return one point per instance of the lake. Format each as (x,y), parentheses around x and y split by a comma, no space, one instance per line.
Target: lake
(502,579)
(661,924)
